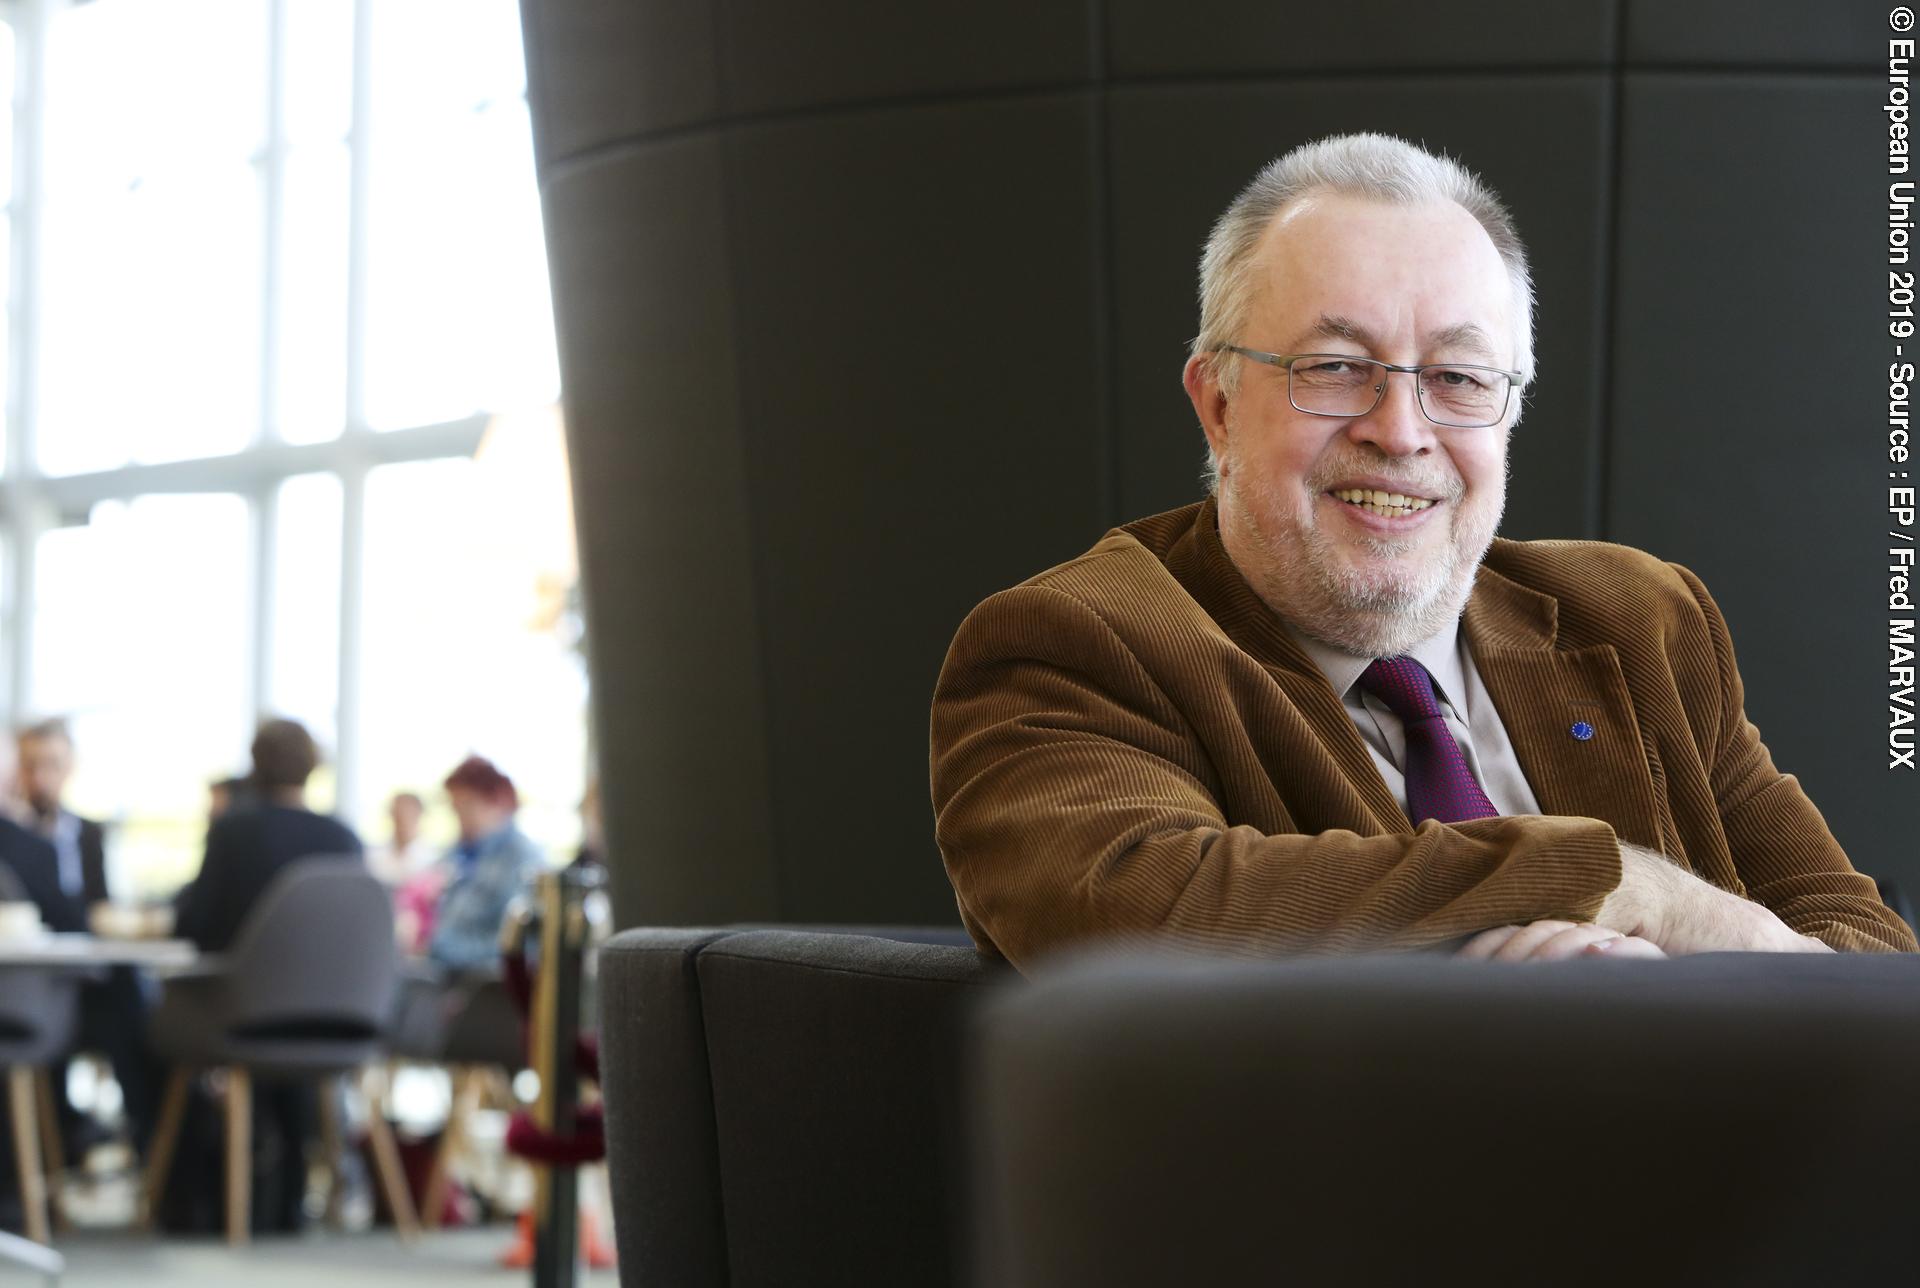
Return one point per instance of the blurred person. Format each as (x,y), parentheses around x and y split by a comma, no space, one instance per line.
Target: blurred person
(112,1010)
(407,853)
(492,862)
(224,793)
(593,832)
(420,882)
(31,859)
(46,764)
(267,827)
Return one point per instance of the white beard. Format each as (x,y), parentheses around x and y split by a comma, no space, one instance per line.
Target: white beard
(1379,608)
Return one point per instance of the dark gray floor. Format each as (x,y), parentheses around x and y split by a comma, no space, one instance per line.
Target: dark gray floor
(451,1259)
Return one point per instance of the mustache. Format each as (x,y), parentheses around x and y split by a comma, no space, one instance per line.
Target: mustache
(1440,484)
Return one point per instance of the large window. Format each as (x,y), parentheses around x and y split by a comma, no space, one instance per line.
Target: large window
(280,433)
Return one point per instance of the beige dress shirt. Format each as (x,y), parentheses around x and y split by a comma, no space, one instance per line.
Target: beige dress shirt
(1464,705)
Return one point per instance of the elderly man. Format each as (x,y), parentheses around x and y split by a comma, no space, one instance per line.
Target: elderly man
(1324,710)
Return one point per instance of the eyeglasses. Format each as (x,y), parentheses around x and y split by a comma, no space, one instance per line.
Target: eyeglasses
(1339,384)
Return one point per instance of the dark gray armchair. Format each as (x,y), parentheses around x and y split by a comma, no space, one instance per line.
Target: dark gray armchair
(1726,1119)
(784,1105)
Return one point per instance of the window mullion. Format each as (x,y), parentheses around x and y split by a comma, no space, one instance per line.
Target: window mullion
(25,505)
(263,509)
(273,176)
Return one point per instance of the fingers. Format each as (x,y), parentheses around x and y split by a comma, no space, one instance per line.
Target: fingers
(1534,938)
(1628,946)
(1556,941)
(1569,943)
(1486,943)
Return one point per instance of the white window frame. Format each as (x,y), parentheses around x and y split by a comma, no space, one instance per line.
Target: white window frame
(33,501)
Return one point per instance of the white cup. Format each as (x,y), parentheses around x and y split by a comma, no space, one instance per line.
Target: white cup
(19,921)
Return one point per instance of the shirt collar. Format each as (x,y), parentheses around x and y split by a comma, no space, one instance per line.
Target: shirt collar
(1439,653)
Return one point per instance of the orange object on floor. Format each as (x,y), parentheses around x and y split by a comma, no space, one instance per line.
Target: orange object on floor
(519,1254)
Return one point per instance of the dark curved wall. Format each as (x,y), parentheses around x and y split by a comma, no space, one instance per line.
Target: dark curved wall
(869,309)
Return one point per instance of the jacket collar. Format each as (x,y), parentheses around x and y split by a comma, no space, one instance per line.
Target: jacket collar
(1543,691)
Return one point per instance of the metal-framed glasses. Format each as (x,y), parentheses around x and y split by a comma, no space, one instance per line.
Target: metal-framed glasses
(1456,395)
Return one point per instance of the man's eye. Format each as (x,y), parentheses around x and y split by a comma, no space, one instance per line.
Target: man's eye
(1454,378)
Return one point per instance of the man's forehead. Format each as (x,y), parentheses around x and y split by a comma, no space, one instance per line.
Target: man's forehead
(1368,271)
(1447,336)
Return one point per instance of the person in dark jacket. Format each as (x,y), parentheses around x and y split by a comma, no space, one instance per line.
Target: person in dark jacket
(261,833)
(112,1009)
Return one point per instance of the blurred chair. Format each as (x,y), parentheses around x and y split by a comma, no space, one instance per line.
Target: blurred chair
(783,1105)
(467,1022)
(37,1022)
(38,1018)
(305,993)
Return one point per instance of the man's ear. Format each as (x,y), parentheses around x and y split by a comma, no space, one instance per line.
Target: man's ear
(1209,402)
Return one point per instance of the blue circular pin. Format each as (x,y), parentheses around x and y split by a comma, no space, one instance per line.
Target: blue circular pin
(1581,730)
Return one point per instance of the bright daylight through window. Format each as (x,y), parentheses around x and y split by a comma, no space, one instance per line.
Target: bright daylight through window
(281,431)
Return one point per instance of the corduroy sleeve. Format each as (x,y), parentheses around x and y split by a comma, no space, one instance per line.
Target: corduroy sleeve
(1075,800)
(1780,844)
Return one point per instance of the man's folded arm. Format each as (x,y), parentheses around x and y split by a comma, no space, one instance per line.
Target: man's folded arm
(1781,846)
(1073,801)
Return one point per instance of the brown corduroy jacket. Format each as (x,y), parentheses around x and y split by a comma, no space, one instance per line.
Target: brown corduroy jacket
(1130,745)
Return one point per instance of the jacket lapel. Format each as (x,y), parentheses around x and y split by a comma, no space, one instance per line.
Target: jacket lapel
(1208,574)
(1544,693)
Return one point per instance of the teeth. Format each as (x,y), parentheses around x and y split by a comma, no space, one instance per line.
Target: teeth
(1390,505)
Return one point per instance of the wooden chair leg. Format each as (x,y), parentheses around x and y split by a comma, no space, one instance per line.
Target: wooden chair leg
(330,1089)
(386,1161)
(166,1134)
(26,1151)
(239,1155)
(468,1085)
(53,1154)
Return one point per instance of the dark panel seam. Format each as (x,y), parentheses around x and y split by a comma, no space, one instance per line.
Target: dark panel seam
(1107,393)
(1600,452)
(729,238)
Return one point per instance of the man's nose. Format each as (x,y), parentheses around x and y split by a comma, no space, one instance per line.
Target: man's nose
(1396,425)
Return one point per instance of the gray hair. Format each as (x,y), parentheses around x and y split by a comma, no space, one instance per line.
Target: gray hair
(1378,167)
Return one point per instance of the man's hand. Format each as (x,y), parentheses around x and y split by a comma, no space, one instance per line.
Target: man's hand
(1657,900)
(1546,941)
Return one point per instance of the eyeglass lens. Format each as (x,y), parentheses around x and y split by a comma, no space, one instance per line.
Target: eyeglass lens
(1465,397)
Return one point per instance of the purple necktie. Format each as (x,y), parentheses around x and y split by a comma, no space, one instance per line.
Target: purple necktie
(1439,784)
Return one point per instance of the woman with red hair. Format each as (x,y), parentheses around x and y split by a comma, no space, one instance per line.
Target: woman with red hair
(492,862)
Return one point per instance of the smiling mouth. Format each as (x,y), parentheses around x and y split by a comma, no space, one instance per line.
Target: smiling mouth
(1388,505)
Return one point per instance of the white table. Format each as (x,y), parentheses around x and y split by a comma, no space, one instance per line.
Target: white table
(81,950)
(48,951)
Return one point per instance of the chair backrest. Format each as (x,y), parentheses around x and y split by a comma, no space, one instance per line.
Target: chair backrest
(316,953)
(37,1014)
(1739,1118)
(783,1106)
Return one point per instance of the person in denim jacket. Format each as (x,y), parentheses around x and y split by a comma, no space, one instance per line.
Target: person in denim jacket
(491,863)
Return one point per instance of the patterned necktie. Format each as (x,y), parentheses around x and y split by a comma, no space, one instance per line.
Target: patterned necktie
(1439,784)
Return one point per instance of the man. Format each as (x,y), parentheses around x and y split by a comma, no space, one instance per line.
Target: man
(46,764)
(1324,710)
(59,866)
(264,830)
